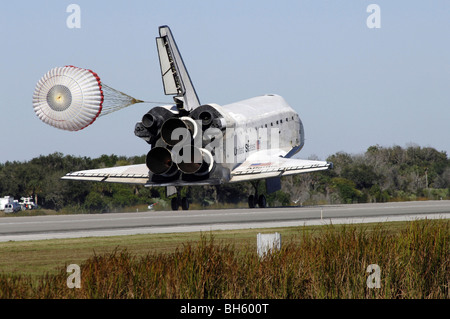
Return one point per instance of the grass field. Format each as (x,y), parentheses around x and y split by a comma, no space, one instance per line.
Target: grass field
(314,262)
(38,257)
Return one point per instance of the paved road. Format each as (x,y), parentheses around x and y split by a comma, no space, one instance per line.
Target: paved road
(71,226)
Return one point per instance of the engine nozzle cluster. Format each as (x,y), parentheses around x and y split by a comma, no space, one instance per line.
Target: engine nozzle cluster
(177,149)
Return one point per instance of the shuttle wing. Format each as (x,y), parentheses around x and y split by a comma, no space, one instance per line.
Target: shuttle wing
(259,165)
(129,174)
(265,165)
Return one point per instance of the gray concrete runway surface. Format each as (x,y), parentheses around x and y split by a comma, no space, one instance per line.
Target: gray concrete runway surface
(114,224)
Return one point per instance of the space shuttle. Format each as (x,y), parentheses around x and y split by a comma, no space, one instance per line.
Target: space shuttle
(195,144)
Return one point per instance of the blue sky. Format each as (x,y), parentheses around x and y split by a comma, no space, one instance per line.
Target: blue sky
(352,86)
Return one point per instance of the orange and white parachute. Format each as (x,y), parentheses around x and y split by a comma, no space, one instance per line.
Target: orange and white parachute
(71,98)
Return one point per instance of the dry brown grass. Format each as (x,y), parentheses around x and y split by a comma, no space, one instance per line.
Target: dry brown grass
(327,263)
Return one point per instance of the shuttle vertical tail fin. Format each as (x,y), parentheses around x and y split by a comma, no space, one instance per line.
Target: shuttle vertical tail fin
(175,77)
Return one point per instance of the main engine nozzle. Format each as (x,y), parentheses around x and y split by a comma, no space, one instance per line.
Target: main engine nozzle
(159,161)
(172,136)
(193,160)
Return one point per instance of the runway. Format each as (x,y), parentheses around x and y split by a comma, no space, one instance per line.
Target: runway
(115,224)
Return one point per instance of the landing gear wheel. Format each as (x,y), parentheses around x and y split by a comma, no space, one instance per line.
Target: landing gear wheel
(262,203)
(175,203)
(185,203)
(251,201)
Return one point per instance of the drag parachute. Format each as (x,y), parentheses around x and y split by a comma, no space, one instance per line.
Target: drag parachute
(71,98)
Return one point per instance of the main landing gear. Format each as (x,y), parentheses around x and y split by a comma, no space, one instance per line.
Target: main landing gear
(254,200)
(177,202)
(180,201)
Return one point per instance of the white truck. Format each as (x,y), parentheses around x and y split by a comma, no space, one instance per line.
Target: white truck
(13,207)
(5,201)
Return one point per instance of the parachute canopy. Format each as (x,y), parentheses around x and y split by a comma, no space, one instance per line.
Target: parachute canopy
(71,98)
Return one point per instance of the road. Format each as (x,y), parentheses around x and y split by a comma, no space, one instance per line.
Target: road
(113,224)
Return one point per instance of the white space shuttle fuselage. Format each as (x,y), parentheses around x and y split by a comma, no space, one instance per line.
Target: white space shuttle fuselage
(206,144)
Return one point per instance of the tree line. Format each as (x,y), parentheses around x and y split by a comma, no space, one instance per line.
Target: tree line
(380,174)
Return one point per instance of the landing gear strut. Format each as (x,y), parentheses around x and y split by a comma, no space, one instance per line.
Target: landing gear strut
(177,201)
(254,200)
